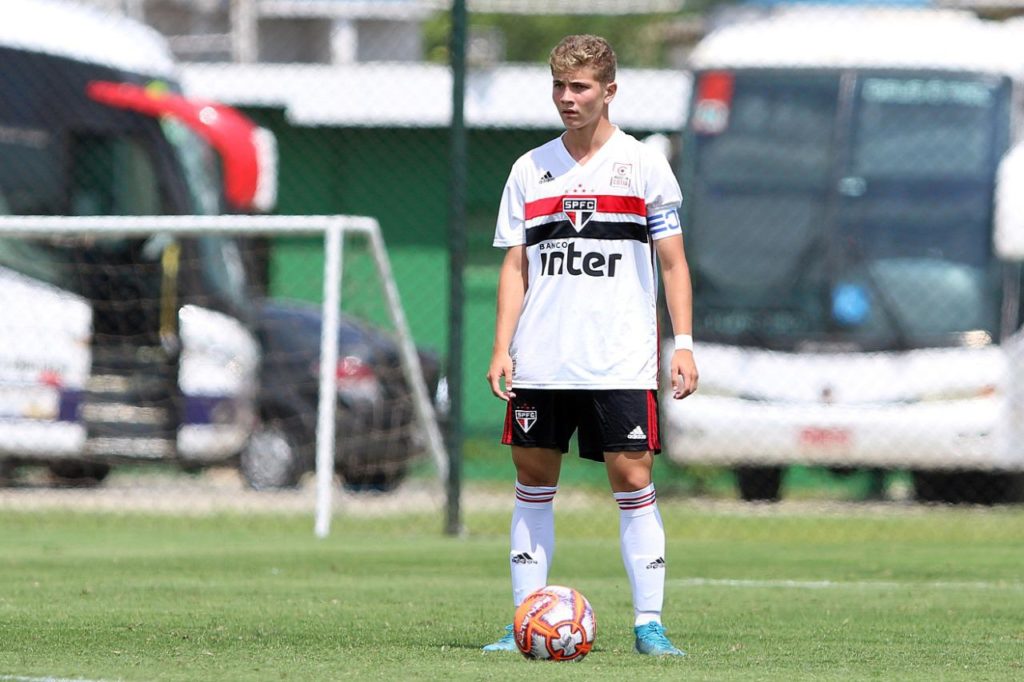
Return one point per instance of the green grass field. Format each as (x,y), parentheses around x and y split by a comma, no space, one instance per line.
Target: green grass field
(779,593)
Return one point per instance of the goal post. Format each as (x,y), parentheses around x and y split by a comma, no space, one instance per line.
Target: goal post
(333,229)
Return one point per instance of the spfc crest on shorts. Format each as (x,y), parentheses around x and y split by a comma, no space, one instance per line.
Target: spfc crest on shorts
(526,419)
(579,210)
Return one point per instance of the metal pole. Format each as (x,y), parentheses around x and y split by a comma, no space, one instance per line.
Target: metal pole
(328,396)
(457,264)
(244,31)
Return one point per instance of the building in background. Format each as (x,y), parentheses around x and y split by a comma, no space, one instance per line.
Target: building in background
(292,31)
(338,31)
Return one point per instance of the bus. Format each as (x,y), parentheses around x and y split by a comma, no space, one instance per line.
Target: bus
(119,349)
(855,304)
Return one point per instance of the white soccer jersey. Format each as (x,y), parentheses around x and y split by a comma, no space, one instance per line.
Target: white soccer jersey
(589,319)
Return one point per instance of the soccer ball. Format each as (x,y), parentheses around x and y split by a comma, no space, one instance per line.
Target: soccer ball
(555,623)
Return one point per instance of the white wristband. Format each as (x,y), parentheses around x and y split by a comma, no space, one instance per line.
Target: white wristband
(684,342)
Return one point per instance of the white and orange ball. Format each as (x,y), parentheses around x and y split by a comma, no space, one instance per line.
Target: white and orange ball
(555,623)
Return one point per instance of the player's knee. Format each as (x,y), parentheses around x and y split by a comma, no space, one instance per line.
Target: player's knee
(536,466)
(628,472)
(633,481)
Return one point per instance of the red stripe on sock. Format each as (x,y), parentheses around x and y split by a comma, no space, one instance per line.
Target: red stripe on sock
(535,500)
(527,496)
(637,502)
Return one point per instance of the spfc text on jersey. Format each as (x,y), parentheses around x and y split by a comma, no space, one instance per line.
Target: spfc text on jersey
(573,262)
(579,210)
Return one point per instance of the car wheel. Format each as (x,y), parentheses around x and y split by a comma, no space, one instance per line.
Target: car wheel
(270,460)
(369,479)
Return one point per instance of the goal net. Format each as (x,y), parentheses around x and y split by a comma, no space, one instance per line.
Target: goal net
(183,341)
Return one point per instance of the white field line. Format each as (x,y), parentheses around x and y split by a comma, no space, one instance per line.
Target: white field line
(848,585)
(20,678)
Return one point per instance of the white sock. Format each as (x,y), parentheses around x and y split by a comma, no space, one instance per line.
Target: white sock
(533,539)
(642,538)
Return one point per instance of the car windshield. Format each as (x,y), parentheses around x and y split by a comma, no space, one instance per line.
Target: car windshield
(844,209)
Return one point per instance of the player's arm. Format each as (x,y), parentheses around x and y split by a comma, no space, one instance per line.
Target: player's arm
(511,293)
(675,274)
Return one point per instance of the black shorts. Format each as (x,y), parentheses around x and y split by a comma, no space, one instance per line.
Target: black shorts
(608,421)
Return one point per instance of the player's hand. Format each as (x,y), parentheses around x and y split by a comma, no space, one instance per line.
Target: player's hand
(684,374)
(501,368)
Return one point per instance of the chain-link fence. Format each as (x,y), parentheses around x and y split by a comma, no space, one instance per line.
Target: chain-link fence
(855,259)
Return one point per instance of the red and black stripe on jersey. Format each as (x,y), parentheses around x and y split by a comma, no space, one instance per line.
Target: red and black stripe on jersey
(615,217)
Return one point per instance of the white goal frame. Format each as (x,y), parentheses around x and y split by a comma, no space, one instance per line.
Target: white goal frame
(333,228)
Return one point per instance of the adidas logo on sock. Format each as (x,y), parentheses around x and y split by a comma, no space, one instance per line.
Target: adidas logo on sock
(657,563)
(547,177)
(637,434)
(523,558)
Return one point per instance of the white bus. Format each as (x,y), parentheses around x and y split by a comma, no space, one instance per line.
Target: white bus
(119,349)
(857,292)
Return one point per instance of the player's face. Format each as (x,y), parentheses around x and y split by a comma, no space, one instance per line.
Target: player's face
(580,97)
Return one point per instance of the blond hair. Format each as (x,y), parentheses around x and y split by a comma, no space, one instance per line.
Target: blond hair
(573,53)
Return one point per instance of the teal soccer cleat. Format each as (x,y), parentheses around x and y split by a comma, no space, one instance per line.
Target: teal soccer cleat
(651,641)
(506,643)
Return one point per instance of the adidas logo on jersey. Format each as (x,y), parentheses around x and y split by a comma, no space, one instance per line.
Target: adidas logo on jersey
(547,177)
(637,434)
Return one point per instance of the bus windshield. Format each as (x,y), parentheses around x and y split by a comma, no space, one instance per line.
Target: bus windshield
(112,173)
(844,209)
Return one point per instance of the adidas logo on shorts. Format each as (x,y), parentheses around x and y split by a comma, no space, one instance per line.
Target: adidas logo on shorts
(637,434)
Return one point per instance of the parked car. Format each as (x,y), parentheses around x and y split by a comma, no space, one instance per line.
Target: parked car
(376,432)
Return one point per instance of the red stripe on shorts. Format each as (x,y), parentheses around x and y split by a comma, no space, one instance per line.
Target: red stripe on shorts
(653,437)
(506,434)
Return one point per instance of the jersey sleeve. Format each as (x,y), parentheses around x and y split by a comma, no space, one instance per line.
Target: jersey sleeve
(510,229)
(662,196)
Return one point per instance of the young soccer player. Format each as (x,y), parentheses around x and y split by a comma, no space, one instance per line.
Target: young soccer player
(576,339)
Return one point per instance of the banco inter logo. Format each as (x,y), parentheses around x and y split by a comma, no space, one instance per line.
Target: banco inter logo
(562,258)
(579,211)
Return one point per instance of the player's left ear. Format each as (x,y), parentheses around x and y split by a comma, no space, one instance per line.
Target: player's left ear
(609,92)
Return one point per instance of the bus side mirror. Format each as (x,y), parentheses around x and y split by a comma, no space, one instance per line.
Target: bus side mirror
(1008,233)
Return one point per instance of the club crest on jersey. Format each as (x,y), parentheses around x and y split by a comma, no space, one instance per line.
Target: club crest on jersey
(526,419)
(579,210)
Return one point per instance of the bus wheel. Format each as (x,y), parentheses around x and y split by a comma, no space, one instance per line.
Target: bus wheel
(968,487)
(78,473)
(759,483)
(8,468)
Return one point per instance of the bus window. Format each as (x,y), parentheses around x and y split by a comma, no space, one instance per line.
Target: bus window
(925,127)
(30,172)
(199,164)
(758,207)
(34,259)
(112,176)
